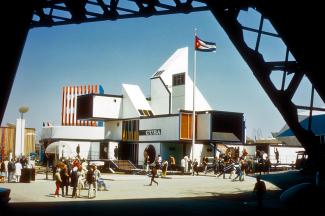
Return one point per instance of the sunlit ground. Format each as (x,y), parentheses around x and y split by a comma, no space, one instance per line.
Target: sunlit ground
(123,187)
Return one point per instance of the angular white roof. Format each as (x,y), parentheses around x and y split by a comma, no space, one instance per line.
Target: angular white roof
(177,63)
(136,96)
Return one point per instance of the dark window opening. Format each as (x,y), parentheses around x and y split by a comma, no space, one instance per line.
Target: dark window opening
(141,112)
(146,112)
(178,79)
(130,130)
(158,73)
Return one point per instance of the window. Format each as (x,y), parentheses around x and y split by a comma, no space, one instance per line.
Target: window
(186,126)
(178,79)
(145,112)
(158,73)
(130,130)
(141,112)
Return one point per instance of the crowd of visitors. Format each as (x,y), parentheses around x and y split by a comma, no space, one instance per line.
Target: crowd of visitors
(79,175)
(11,170)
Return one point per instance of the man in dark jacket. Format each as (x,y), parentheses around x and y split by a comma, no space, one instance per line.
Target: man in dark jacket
(90,177)
(260,190)
(11,170)
(74,181)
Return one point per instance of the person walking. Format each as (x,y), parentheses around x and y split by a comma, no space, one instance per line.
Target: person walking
(58,181)
(243,167)
(74,181)
(11,170)
(172,163)
(81,180)
(2,171)
(153,174)
(159,160)
(183,166)
(65,180)
(186,163)
(276,152)
(164,168)
(6,169)
(97,175)
(195,167)
(205,165)
(260,190)
(238,170)
(91,183)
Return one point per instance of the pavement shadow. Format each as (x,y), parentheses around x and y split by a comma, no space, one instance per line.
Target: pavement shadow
(216,204)
(285,180)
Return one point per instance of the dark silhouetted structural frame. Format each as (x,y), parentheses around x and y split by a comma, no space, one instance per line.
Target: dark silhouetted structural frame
(297,24)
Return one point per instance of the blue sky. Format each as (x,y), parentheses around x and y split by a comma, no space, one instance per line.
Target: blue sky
(130,51)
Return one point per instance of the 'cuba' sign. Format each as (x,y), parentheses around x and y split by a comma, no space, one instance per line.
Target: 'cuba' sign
(150,132)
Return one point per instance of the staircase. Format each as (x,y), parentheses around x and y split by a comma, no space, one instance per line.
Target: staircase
(125,166)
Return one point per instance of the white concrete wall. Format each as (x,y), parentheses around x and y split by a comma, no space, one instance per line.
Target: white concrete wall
(201,103)
(129,110)
(198,150)
(177,63)
(159,97)
(142,147)
(111,147)
(88,150)
(94,151)
(169,128)
(287,155)
(113,130)
(204,126)
(107,107)
(178,98)
(73,132)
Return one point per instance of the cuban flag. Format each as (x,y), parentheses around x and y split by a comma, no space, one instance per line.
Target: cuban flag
(204,46)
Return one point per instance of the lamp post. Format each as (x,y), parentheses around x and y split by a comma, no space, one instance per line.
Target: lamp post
(22,110)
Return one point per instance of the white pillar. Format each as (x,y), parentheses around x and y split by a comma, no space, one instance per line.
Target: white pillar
(20,138)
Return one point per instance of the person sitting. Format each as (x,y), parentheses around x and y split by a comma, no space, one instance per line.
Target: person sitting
(99,180)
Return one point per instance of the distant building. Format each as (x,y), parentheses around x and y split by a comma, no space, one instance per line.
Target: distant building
(286,135)
(8,141)
(69,104)
(160,124)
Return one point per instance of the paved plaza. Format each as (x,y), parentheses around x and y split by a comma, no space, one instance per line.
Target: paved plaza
(175,195)
(123,187)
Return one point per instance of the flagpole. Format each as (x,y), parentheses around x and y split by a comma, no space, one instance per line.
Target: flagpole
(193,114)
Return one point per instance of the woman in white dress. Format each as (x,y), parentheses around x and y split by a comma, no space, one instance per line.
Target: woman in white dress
(18,168)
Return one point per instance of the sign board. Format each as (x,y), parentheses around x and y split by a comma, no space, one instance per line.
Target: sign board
(150,132)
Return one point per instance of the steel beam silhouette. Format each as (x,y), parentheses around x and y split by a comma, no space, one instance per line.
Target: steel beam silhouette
(294,25)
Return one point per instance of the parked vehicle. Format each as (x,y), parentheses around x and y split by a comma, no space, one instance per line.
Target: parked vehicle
(301,159)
